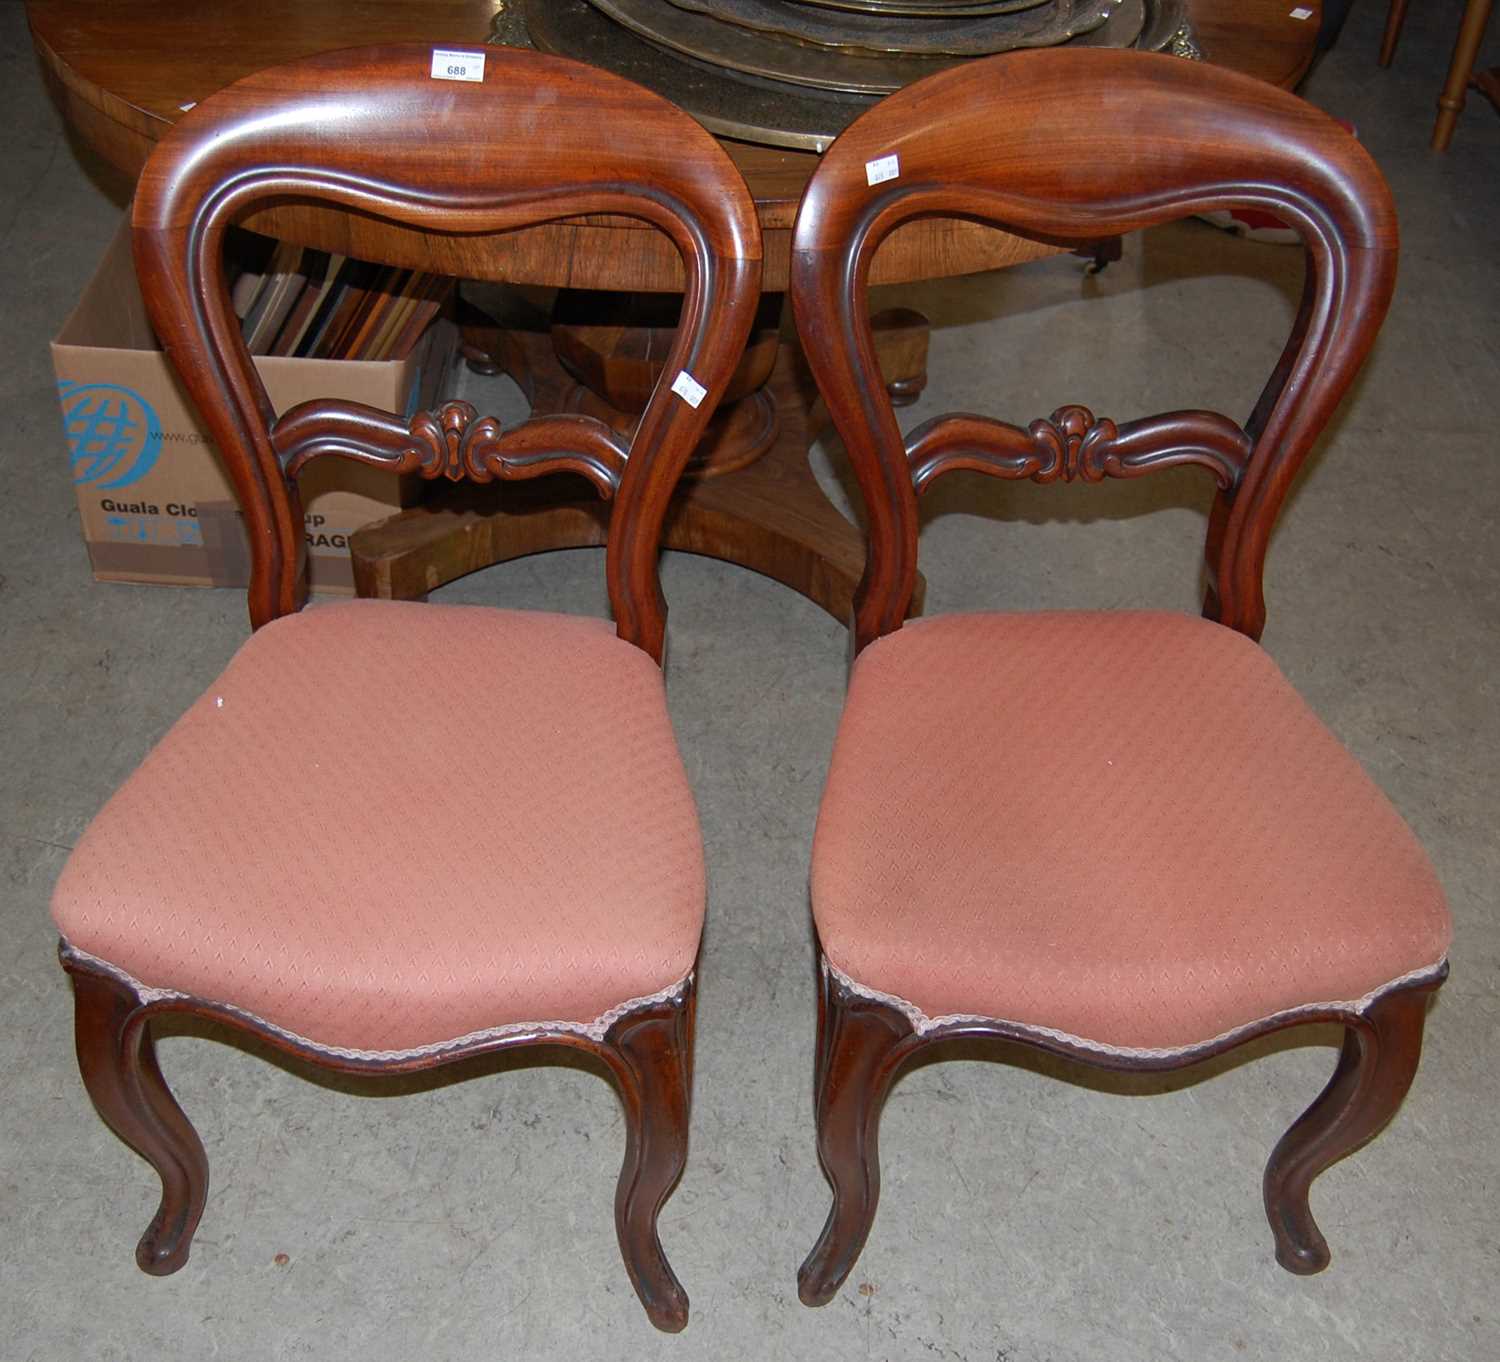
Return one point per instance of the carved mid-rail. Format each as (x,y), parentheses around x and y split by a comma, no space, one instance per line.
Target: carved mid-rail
(1075,445)
(453,442)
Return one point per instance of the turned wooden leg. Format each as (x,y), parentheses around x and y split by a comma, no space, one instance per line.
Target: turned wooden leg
(1395,17)
(1465,50)
(1376,1066)
(118,1063)
(861,1044)
(653,1060)
(1488,84)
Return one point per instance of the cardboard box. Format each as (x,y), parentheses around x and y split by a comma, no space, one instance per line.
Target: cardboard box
(153,500)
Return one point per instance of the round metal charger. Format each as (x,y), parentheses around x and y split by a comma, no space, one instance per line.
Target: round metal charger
(923,8)
(1122,29)
(884,34)
(773,57)
(1168,29)
(725,102)
(736,105)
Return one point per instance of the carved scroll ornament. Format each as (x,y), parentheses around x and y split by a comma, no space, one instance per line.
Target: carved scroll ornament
(453,442)
(1073,445)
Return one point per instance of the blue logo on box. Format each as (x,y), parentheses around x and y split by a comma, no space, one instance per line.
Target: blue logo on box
(113,432)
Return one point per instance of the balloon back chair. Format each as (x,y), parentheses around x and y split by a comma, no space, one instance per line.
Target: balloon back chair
(1120,837)
(393,836)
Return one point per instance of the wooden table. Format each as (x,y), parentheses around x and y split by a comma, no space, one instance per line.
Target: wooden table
(122,73)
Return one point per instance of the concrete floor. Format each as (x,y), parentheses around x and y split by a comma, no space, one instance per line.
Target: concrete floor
(1029,1214)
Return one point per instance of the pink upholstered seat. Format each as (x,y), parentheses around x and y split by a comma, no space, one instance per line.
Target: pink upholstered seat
(478,817)
(1126,827)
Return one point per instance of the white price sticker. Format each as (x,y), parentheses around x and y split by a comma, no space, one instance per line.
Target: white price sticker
(1301,13)
(689,389)
(450,65)
(886,168)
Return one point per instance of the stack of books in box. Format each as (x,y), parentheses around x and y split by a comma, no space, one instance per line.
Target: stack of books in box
(154,501)
(309,304)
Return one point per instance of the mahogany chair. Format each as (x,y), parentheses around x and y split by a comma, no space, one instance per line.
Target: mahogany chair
(1119,836)
(393,836)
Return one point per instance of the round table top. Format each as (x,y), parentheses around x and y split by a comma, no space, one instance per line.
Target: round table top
(123,73)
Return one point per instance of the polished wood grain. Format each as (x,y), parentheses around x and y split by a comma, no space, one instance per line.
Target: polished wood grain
(123,75)
(123,79)
(1262,38)
(1078,146)
(769,515)
(124,72)
(1377,1062)
(139,63)
(609,146)
(864,1044)
(367,133)
(1081,177)
(1073,445)
(117,1059)
(647,1055)
(617,347)
(121,85)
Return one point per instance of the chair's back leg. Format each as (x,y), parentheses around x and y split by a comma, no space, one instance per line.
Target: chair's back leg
(1376,1066)
(118,1062)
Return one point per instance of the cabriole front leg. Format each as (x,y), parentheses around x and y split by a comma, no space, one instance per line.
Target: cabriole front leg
(652,1056)
(118,1062)
(861,1044)
(1376,1066)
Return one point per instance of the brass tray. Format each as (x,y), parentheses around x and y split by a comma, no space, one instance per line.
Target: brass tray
(751,109)
(932,8)
(724,46)
(883,34)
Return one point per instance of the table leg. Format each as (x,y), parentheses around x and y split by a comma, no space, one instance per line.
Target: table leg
(1395,17)
(1465,50)
(1488,84)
